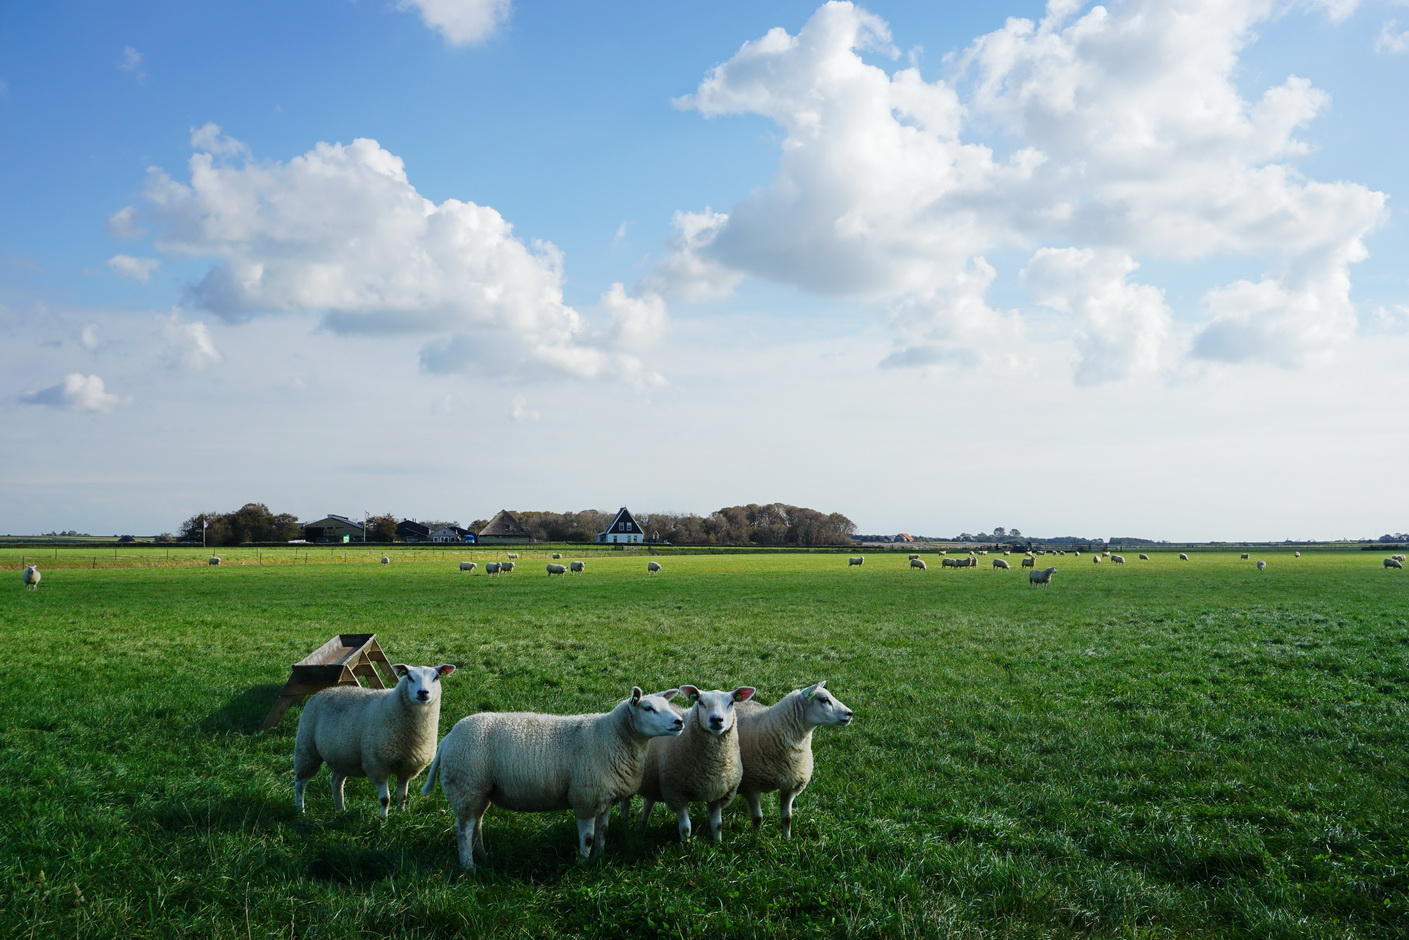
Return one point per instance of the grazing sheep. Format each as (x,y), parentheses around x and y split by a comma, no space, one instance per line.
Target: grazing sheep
(1000,563)
(701,765)
(577,567)
(557,555)
(31,577)
(468,566)
(213,560)
(1261,565)
(375,733)
(557,569)
(1397,557)
(652,567)
(918,563)
(492,567)
(533,763)
(1144,557)
(1095,559)
(1245,556)
(507,566)
(512,554)
(1296,554)
(776,745)
(1029,561)
(913,557)
(1042,577)
(386,560)
(1118,559)
(1389,563)
(855,561)
(1183,557)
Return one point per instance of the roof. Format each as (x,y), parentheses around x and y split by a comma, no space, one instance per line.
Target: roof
(622,515)
(504,525)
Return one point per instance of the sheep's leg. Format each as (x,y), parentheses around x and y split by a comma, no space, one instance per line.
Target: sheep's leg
(403,785)
(469,833)
(586,837)
(716,820)
(647,804)
(305,769)
(682,822)
(602,820)
(785,810)
(338,780)
(384,794)
(624,805)
(755,801)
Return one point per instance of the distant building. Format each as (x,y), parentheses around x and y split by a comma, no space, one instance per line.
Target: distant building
(409,530)
(333,528)
(623,528)
(905,537)
(503,528)
(448,534)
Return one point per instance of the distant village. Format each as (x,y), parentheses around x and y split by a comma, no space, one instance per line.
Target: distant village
(501,529)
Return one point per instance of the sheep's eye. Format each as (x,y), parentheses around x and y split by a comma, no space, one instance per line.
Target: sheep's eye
(648,708)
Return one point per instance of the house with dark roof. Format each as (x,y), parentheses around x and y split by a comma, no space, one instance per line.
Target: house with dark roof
(334,528)
(451,534)
(623,529)
(503,528)
(409,530)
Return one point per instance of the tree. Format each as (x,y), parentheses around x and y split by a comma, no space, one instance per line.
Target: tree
(252,522)
(999,532)
(381,528)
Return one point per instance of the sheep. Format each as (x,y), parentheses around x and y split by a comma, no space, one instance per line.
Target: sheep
(1296,554)
(1183,557)
(386,560)
(851,562)
(652,567)
(31,577)
(506,566)
(492,567)
(913,557)
(1000,563)
(775,743)
(556,569)
(213,560)
(1144,557)
(535,763)
(701,765)
(577,567)
(1261,565)
(1029,561)
(1389,563)
(1245,556)
(918,563)
(512,554)
(468,566)
(1043,577)
(1095,559)
(557,555)
(374,733)
(1397,557)
(1118,559)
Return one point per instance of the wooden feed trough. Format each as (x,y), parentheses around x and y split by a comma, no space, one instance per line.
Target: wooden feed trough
(337,662)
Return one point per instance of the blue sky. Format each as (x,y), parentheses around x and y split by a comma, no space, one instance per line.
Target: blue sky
(1131,269)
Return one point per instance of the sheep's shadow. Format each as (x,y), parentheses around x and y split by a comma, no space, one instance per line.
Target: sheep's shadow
(243,714)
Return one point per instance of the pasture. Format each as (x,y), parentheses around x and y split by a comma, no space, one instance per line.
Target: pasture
(1157,749)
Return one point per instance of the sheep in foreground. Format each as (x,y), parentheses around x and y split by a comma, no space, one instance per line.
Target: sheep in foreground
(468,566)
(556,569)
(1183,557)
(533,763)
(506,566)
(1245,556)
(31,577)
(652,567)
(1095,559)
(918,563)
(1029,562)
(1389,563)
(701,765)
(1118,559)
(492,567)
(775,743)
(1296,554)
(1144,557)
(1399,558)
(1261,565)
(213,560)
(374,733)
(577,567)
(1000,563)
(1041,577)
(386,560)
(852,562)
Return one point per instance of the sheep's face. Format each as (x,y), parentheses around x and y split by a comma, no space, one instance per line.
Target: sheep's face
(420,685)
(714,711)
(652,715)
(821,707)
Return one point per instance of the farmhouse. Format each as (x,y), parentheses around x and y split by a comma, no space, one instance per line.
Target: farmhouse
(451,534)
(409,530)
(334,528)
(503,528)
(623,528)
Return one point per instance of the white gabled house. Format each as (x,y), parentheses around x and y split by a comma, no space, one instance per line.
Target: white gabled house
(623,529)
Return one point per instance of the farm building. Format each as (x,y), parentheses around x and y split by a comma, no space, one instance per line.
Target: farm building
(623,528)
(503,528)
(334,528)
(409,530)
(451,534)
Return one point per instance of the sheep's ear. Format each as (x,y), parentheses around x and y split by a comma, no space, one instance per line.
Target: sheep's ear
(444,669)
(743,693)
(669,694)
(635,695)
(400,669)
(813,689)
(690,692)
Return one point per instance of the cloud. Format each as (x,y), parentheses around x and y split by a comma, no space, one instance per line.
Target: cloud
(122,224)
(1114,135)
(188,345)
(89,338)
(1392,39)
(75,393)
(462,22)
(341,231)
(139,269)
(131,61)
(519,410)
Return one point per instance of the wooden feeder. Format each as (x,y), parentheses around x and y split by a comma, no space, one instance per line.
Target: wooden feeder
(337,662)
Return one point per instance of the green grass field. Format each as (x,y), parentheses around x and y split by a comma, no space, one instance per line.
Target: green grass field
(1160,749)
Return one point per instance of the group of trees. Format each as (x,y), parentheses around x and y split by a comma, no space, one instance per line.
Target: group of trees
(252,522)
(754,524)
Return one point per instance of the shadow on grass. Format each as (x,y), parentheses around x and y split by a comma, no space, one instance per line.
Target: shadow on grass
(243,714)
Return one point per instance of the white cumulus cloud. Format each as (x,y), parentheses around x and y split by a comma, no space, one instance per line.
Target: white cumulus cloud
(189,345)
(77,392)
(462,22)
(139,269)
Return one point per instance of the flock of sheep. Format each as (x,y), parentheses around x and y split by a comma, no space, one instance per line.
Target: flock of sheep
(721,744)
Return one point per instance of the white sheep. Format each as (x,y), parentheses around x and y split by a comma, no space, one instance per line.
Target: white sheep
(577,567)
(652,567)
(1000,563)
(1183,557)
(1118,559)
(374,733)
(31,577)
(913,557)
(506,566)
(701,765)
(386,560)
(557,555)
(556,569)
(1397,557)
(775,743)
(949,563)
(1144,557)
(1029,561)
(1261,565)
(853,562)
(213,560)
(492,567)
(918,563)
(536,763)
(468,566)
(512,554)
(1095,559)
(1393,563)
(1042,577)
(1245,556)
(1296,554)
